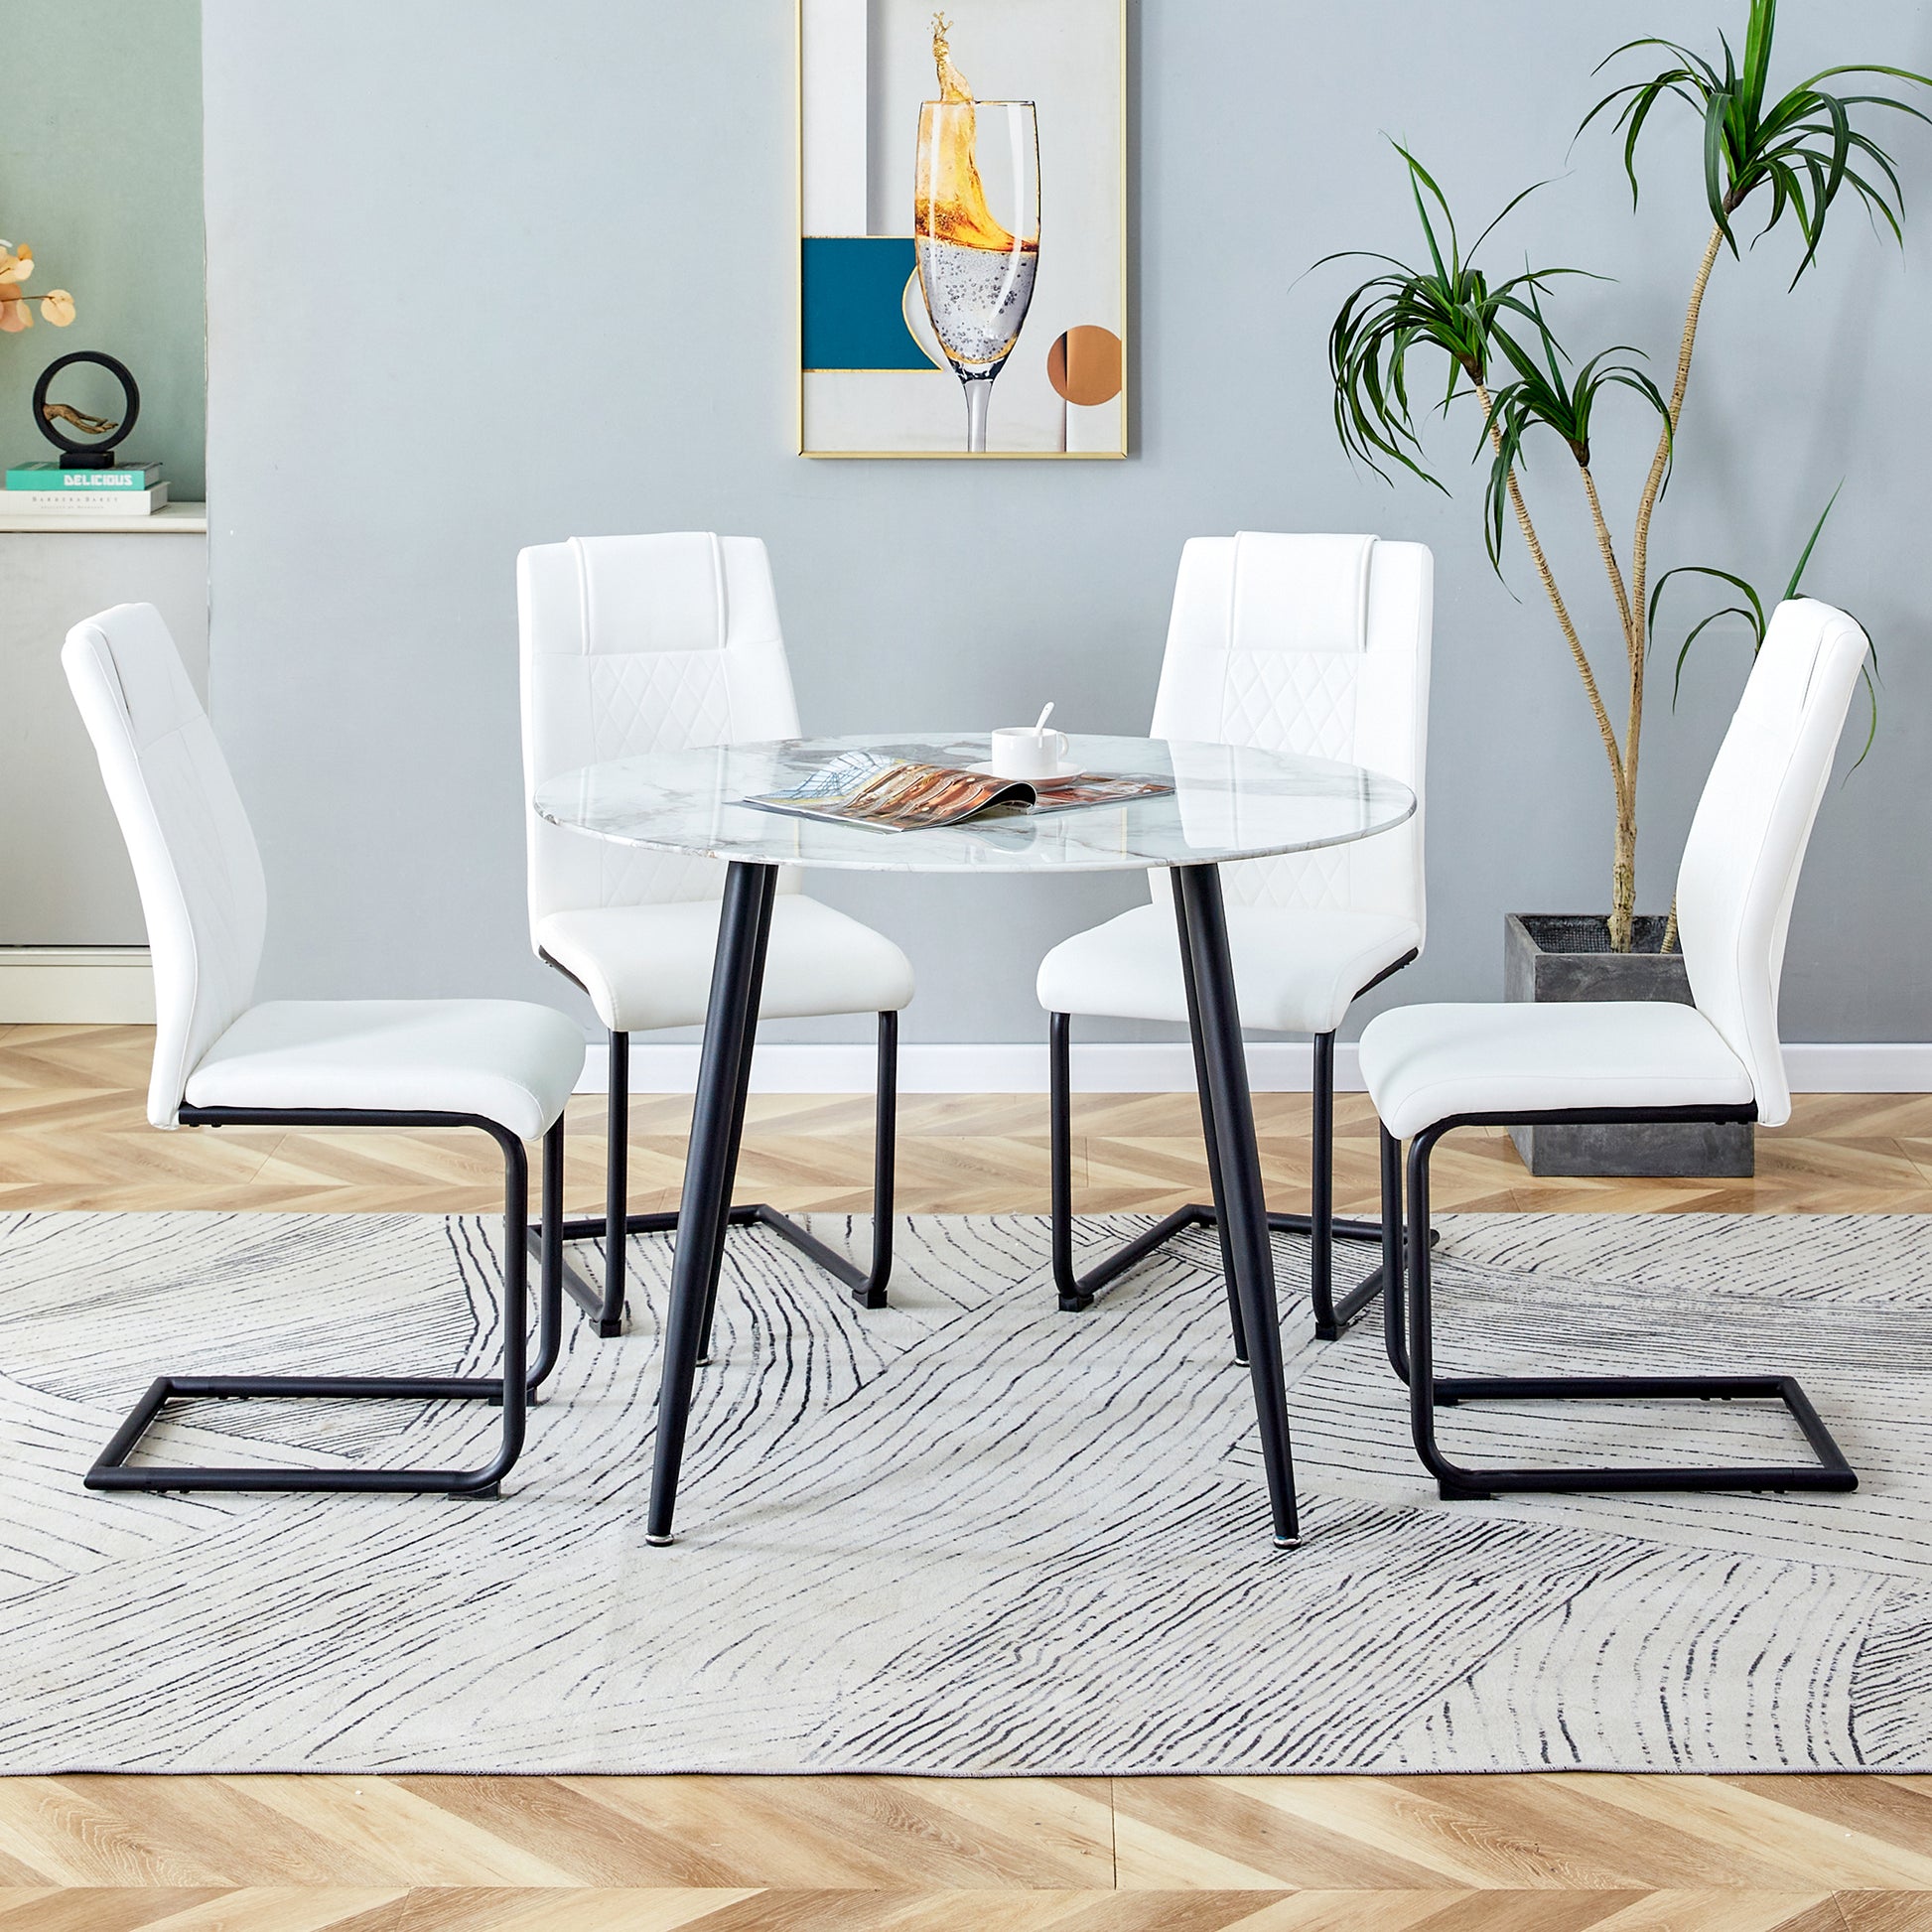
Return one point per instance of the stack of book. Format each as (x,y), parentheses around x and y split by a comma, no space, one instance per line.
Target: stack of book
(45,489)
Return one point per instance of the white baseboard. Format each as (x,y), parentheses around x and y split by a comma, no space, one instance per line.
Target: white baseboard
(75,986)
(1149,1067)
(1860,1066)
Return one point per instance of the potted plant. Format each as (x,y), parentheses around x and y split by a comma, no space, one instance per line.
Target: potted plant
(1795,154)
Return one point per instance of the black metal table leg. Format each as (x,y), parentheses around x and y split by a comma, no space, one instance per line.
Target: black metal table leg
(1208,1137)
(1242,1210)
(1321,1188)
(871,1294)
(743,1020)
(1073,1293)
(737,978)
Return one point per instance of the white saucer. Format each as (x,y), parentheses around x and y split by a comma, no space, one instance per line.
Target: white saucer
(1046,777)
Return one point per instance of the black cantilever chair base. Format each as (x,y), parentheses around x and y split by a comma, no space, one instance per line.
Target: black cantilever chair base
(1321,1226)
(513,1390)
(607,1308)
(1409,1336)
(1077,1290)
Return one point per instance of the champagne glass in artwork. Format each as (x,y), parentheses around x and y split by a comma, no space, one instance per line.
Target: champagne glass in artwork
(976,227)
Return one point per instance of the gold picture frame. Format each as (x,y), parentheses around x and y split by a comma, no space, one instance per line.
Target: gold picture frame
(838,22)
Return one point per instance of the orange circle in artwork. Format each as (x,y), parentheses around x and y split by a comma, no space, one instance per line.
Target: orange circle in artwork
(1084,364)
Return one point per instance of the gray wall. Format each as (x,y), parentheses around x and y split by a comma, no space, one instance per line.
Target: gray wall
(483,274)
(101,171)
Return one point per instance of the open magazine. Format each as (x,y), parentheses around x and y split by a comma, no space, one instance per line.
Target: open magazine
(898,795)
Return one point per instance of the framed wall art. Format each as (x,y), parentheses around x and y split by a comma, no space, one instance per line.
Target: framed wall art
(962,190)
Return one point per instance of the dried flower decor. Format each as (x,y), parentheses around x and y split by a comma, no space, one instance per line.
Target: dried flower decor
(16,305)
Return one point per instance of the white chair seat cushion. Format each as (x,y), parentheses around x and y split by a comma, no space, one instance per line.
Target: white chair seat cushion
(1295,971)
(650,966)
(506,1060)
(1426,1063)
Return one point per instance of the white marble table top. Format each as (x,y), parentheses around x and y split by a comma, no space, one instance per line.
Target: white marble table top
(1229,802)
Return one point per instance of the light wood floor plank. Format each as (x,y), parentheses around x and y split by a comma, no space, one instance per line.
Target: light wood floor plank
(1226,1835)
(1898,1810)
(329,1908)
(1559,1826)
(1413,1819)
(1707,1911)
(595,1843)
(54,1828)
(1147,1857)
(624,1911)
(399,1833)
(860,1832)
(100,1909)
(1347,1911)
(213,1827)
(1067,1821)
(1885,1912)
(982,1911)
(1745,1817)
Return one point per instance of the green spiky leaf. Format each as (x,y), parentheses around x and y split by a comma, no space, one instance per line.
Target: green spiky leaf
(1803,146)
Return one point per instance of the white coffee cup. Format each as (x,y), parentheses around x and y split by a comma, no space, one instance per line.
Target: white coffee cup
(1022,751)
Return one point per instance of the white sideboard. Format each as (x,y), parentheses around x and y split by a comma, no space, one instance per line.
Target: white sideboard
(71,933)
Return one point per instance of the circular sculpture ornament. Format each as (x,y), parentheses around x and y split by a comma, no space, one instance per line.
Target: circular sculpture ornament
(86,456)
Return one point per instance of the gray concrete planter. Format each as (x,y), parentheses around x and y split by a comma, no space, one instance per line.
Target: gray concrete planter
(1568,956)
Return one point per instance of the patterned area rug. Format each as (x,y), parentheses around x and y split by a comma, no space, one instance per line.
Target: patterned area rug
(968,1534)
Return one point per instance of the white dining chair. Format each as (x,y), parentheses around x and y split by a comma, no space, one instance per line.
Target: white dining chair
(633,644)
(1305,644)
(1432,1070)
(221,1058)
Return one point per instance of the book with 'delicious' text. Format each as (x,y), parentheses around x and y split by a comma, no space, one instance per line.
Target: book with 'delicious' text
(44,477)
(57,503)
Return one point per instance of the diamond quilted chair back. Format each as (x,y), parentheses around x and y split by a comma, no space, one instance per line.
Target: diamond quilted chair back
(639,644)
(1318,645)
(194,857)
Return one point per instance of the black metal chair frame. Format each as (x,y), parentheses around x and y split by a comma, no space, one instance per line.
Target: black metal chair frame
(1411,1346)
(606,1306)
(514,1389)
(1319,1225)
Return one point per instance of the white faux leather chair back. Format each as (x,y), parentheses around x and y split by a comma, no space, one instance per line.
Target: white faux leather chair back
(1747,841)
(194,857)
(1316,644)
(636,644)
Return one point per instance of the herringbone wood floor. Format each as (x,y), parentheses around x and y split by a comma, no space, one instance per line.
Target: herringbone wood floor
(1344,1855)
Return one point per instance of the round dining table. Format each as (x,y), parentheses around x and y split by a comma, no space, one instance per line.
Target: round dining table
(1228,803)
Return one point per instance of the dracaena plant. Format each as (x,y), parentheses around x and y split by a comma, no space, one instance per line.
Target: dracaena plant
(1798,154)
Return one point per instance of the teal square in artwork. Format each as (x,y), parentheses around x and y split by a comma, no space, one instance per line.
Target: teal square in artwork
(853,287)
